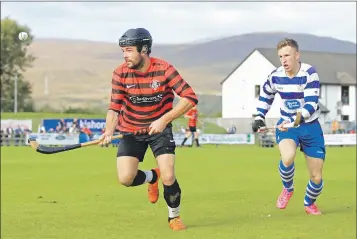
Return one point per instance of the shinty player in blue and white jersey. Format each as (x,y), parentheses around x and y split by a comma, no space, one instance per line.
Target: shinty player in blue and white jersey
(298,85)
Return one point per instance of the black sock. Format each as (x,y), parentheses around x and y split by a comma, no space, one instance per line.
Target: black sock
(184,141)
(139,179)
(154,177)
(172,195)
(198,144)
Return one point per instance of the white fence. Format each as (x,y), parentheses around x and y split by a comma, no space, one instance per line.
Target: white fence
(13,124)
(65,139)
(340,139)
(218,139)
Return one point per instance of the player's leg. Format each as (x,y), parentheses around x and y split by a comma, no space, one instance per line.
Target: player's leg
(195,134)
(163,147)
(313,146)
(187,135)
(315,185)
(130,153)
(287,141)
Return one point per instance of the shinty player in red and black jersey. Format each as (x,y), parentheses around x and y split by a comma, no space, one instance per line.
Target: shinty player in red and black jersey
(192,116)
(142,97)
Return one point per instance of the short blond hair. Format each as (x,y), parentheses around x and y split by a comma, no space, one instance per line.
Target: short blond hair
(288,42)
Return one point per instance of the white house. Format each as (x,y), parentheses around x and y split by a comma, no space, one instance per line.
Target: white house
(240,89)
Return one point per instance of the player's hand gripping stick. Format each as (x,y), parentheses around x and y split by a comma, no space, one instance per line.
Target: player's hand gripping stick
(294,124)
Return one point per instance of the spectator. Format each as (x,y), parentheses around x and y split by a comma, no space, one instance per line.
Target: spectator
(73,129)
(76,123)
(335,126)
(58,129)
(87,131)
(231,130)
(1,135)
(18,133)
(7,136)
(41,129)
(62,124)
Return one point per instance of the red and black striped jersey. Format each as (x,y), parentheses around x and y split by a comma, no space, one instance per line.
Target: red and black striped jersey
(141,98)
(194,114)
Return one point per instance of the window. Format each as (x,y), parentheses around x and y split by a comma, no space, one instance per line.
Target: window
(257,91)
(345,95)
(345,117)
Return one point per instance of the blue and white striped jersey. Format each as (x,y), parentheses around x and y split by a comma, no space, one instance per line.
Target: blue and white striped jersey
(298,93)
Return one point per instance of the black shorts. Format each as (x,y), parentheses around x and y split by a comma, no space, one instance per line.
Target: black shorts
(136,145)
(192,129)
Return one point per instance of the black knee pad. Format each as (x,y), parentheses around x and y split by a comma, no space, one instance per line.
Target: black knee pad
(172,194)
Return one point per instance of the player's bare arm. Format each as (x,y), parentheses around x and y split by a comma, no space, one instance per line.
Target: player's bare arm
(187,101)
(181,108)
(110,124)
(111,121)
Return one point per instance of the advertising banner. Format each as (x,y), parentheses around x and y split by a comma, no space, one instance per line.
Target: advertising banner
(94,125)
(53,138)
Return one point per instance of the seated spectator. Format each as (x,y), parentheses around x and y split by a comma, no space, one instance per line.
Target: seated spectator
(76,123)
(62,123)
(41,129)
(58,129)
(65,130)
(73,129)
(1,136)
(231,130)
(7,136)
(18,134)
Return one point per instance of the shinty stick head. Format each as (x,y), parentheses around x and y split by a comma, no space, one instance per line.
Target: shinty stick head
(33,143)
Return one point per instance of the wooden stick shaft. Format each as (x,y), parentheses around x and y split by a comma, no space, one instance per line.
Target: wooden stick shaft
(296,123)
(95,142)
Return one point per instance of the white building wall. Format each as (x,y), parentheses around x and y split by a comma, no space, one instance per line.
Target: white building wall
(350,109)
(238,91)
(353,99)
(331,94)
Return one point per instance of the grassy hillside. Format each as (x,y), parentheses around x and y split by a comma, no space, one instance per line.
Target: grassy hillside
(78,73)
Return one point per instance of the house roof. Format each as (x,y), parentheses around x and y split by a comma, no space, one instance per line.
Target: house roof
(333,68)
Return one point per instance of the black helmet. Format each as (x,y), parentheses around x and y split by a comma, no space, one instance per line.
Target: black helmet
(137,37)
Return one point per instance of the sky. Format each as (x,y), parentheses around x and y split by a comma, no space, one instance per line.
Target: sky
(185,22)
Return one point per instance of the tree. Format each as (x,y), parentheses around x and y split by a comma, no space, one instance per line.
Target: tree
(14,61)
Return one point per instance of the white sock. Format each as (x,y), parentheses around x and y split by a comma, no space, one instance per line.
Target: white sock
(174,212)
(149,176)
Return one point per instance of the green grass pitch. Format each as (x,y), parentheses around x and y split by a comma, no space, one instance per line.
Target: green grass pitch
(227,192)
